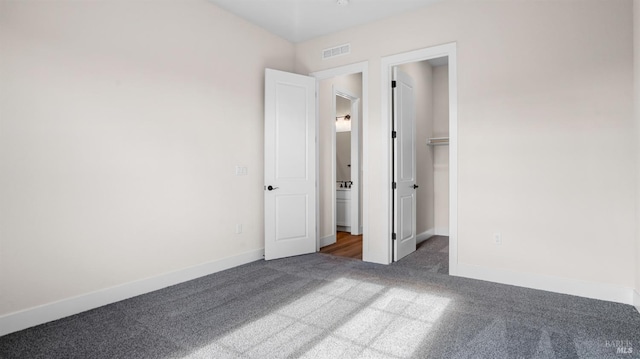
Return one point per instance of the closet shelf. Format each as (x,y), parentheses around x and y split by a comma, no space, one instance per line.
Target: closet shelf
(438,141)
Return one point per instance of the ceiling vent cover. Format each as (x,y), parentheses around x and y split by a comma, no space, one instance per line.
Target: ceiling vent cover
(336,51)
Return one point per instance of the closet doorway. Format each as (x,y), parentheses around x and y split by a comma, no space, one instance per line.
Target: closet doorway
(421,153)
(422,115)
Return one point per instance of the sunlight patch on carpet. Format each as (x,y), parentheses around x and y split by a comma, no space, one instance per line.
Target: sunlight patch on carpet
(344,318)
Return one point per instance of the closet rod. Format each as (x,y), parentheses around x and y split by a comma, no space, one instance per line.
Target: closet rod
(438,141)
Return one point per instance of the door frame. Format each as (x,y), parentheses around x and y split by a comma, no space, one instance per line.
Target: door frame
(363,68)
(387,63)
(355,159)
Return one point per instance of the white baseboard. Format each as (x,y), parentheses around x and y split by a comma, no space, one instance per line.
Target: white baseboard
(442,231)
(27,318)
(425,235)
(636,299)
(602,291)
(325,241)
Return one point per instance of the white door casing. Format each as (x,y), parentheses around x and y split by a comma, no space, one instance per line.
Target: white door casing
(404,118)
(289,164)
(355,167)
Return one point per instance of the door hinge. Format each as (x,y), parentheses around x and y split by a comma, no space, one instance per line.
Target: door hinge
(393,236)
(393,185)
(394,134)
(393,84)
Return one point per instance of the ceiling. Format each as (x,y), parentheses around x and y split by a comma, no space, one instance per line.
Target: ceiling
(300,20)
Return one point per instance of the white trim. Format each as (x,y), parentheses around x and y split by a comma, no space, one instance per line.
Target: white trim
(334,165)
(425,235)
(27,318)
(453,160)
(387,64)
(360,67)
(318,239)
(601,291)
(636,299)
(442,231)
(328,240)
(355,167)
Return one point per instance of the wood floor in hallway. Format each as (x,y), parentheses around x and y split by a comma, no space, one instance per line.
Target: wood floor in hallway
(346,246)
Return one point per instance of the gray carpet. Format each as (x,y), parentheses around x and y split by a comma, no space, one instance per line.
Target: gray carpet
(320,306)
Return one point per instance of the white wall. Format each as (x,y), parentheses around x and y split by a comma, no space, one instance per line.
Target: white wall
(546,143)
(121,123)
(326,125)
(441,153)
(422,75)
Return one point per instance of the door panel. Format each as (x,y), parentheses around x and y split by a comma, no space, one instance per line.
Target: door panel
(291,221)
(406,216)
(290,204)
(405,165)
(292,132)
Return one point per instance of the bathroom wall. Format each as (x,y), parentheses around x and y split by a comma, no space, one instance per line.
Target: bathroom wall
(326,124)
(343,156)
(343,142)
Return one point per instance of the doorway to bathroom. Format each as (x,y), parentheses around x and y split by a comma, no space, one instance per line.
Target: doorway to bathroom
(346,168)
(340,165)
(346,164)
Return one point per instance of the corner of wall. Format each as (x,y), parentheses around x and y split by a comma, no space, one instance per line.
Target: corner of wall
(298,67)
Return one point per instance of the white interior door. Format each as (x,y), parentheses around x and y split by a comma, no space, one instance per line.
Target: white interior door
(404,117)
(289,164)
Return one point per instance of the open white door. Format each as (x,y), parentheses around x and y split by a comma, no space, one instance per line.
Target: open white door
(404,117)
(289,164)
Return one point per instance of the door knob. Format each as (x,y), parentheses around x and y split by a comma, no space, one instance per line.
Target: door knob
(271,188)
(415,186)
